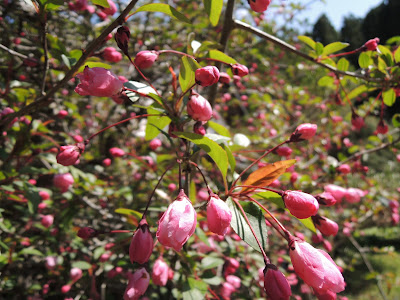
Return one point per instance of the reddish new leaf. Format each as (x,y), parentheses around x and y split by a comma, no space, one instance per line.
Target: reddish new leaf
(266,175)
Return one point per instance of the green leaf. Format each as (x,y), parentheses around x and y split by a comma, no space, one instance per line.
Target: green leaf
(83,265)
(34,199)
(256,219)
(129,212)
(308,223)
(213,9)
(219,128)
(214,150)
(187,73)
(194,289)
(68,61)
(334,47)
(319,48)
(102,3)
(359,90)
(210,262)
(30,251)
(396,120)
(213,280)
(343,64)
(231,158)
(389,97)
(307,40)
(165,9)
(92,64)
(155,124)
(272,197)
(326,81)
(364,60)
(397,55)
(221,56)
(140,88)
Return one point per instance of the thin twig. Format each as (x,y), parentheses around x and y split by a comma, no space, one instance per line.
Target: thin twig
(46,55)
(12,52)
(369,266)
(241,25)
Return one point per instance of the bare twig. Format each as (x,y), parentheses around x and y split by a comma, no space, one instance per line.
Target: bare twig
(12,52)
(46,55)
(368,265)
(241,25)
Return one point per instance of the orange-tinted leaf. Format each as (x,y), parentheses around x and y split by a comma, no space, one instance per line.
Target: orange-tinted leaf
(266,175)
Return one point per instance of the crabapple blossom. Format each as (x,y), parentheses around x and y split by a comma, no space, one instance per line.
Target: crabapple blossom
(141,245)
(178,223)
(301,205)
(145,59)
(207,76)
(160,272)
(218,215)
(98,82)
(69,155)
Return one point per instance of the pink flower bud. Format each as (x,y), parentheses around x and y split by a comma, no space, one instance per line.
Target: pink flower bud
(98,82)
(316,267)
(178,223)
(155,144)
(218,216)
(304,132)
(336,191)
(224,78)
(234,280)
(63,181)
(66,288)
(372,44)
(111,54)
(77,138)
(226,290)
(51,262)
(47,220)
(207,76)
(357,121)
(145,59)
(382,127)
(160,272)
(326,199)
(87,233)
(62,114)
(325,225)
(231,266)
(142,244)
(344,169)
(199,108)
(110,10)
(353,195)
(327,245)
(116,152)
(259,5)
(171,187)
(137,285)
(284,151)
(106,162)
(393,204)
(301,205)
(122,38)
(239,70)
(275,284)
(294,177)
(44,195)
(317,238)
(69,155)
(199,128)
(75,274)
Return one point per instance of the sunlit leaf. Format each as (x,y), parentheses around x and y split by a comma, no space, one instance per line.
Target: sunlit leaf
(128,212)
(216,54)
(389,97)
(187,72)
(343,64)
(272,197)
(140,88)
(102,3)
(396,120)
(307,40)
(164,8)
(214,150)
(267,174)
(256,219)
(326,81)
(334,47)
(364,60)
(222,130)
(155,124)
(83,265)
(213,9)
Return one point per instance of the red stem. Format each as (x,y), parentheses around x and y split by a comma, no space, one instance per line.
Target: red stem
(251,228)
(120,122)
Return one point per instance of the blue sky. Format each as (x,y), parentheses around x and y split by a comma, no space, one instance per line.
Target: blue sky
(337,9)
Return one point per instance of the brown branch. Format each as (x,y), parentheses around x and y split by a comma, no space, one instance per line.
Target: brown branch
(227,28)
(360,153)
(44,100)
(241,25)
